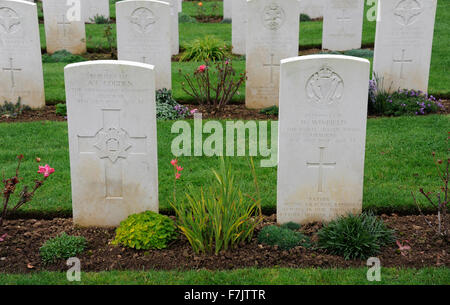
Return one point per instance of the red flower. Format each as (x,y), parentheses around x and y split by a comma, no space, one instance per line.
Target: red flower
(201,69)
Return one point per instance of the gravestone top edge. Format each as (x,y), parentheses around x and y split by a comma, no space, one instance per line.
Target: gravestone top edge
(141,2)
(109,62)
(324,57)
(18,1)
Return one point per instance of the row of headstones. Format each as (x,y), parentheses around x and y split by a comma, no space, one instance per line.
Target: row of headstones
(113,139)
(403,41)
(402,46)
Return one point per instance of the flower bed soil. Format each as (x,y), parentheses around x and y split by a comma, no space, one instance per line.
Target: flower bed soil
(19,252)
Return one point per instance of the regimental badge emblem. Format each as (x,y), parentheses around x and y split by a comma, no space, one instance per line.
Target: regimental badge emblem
(407,12)
(112,144)
(325,88)
(10,22)
(273,16)
(143,19)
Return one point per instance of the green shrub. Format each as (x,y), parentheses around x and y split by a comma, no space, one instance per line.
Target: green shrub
(184,18)
(355,236)
(273,110)
(282,237)
(167,108)
(61,109)
(363,53)
(401,102)
(291,226)
(12,110)
(62,56)
(147,230)
(100,19)
(304,17)
(62,247)
(207,48)
(220,217)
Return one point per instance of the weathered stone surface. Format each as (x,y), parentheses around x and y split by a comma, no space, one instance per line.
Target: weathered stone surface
(312,8)
(20,54)
(239,25)
(112,140)
(322,132)
(143,35)
(342,24)
(92,8)
(403,43)
(63,29)
(227,9)
(272,35)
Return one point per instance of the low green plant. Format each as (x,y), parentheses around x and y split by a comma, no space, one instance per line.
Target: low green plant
(11,110)
(62,247)
(400,102)
(291,226)
(207,48)
(144,231)
(355,236)
(61,109)
(273,110)
(363,53)
(282,237)
(220,217)
(100,19)
(167,108)
(304,17)
(184,18)
(62,56)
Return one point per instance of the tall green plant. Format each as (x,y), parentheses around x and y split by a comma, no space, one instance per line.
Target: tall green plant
(219,217)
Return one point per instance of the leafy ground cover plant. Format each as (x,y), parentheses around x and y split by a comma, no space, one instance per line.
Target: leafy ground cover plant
(213,87)
(147,230)
(10,186)
(439,199)
(273,110)
(167,108)
(61,109)
(355,236)
(62,56)
(401,102)
(283,237)
(62,247)
(11,110)
(207,48)
(220,217)
(100,19)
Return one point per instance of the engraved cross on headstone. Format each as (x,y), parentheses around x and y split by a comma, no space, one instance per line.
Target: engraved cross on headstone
(271,65)
(11,69)
(321,165)
(112,143)
(402,61)
(63,23)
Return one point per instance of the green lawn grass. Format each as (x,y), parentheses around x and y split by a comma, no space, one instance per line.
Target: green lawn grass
(398,161)
(250,276)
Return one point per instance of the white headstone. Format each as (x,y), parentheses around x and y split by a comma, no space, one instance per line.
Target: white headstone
(64,27)
(322,131)
(227,9)
(342,25)
(20,54)
(239,26)
(143,35)
(272,35)
(174,27)
(112,140)
(312,8)
(403,43)
(180,6)
(92,8)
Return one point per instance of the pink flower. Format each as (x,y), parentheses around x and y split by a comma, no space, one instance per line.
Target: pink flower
(177,176)
(201,69)
(194,111)
(179,168)
(2,238)
(46,170)
(403,248)
(174,162)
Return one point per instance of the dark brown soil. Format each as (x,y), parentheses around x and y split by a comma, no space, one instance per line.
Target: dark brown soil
(19,252)
(47,113)
(233,112)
